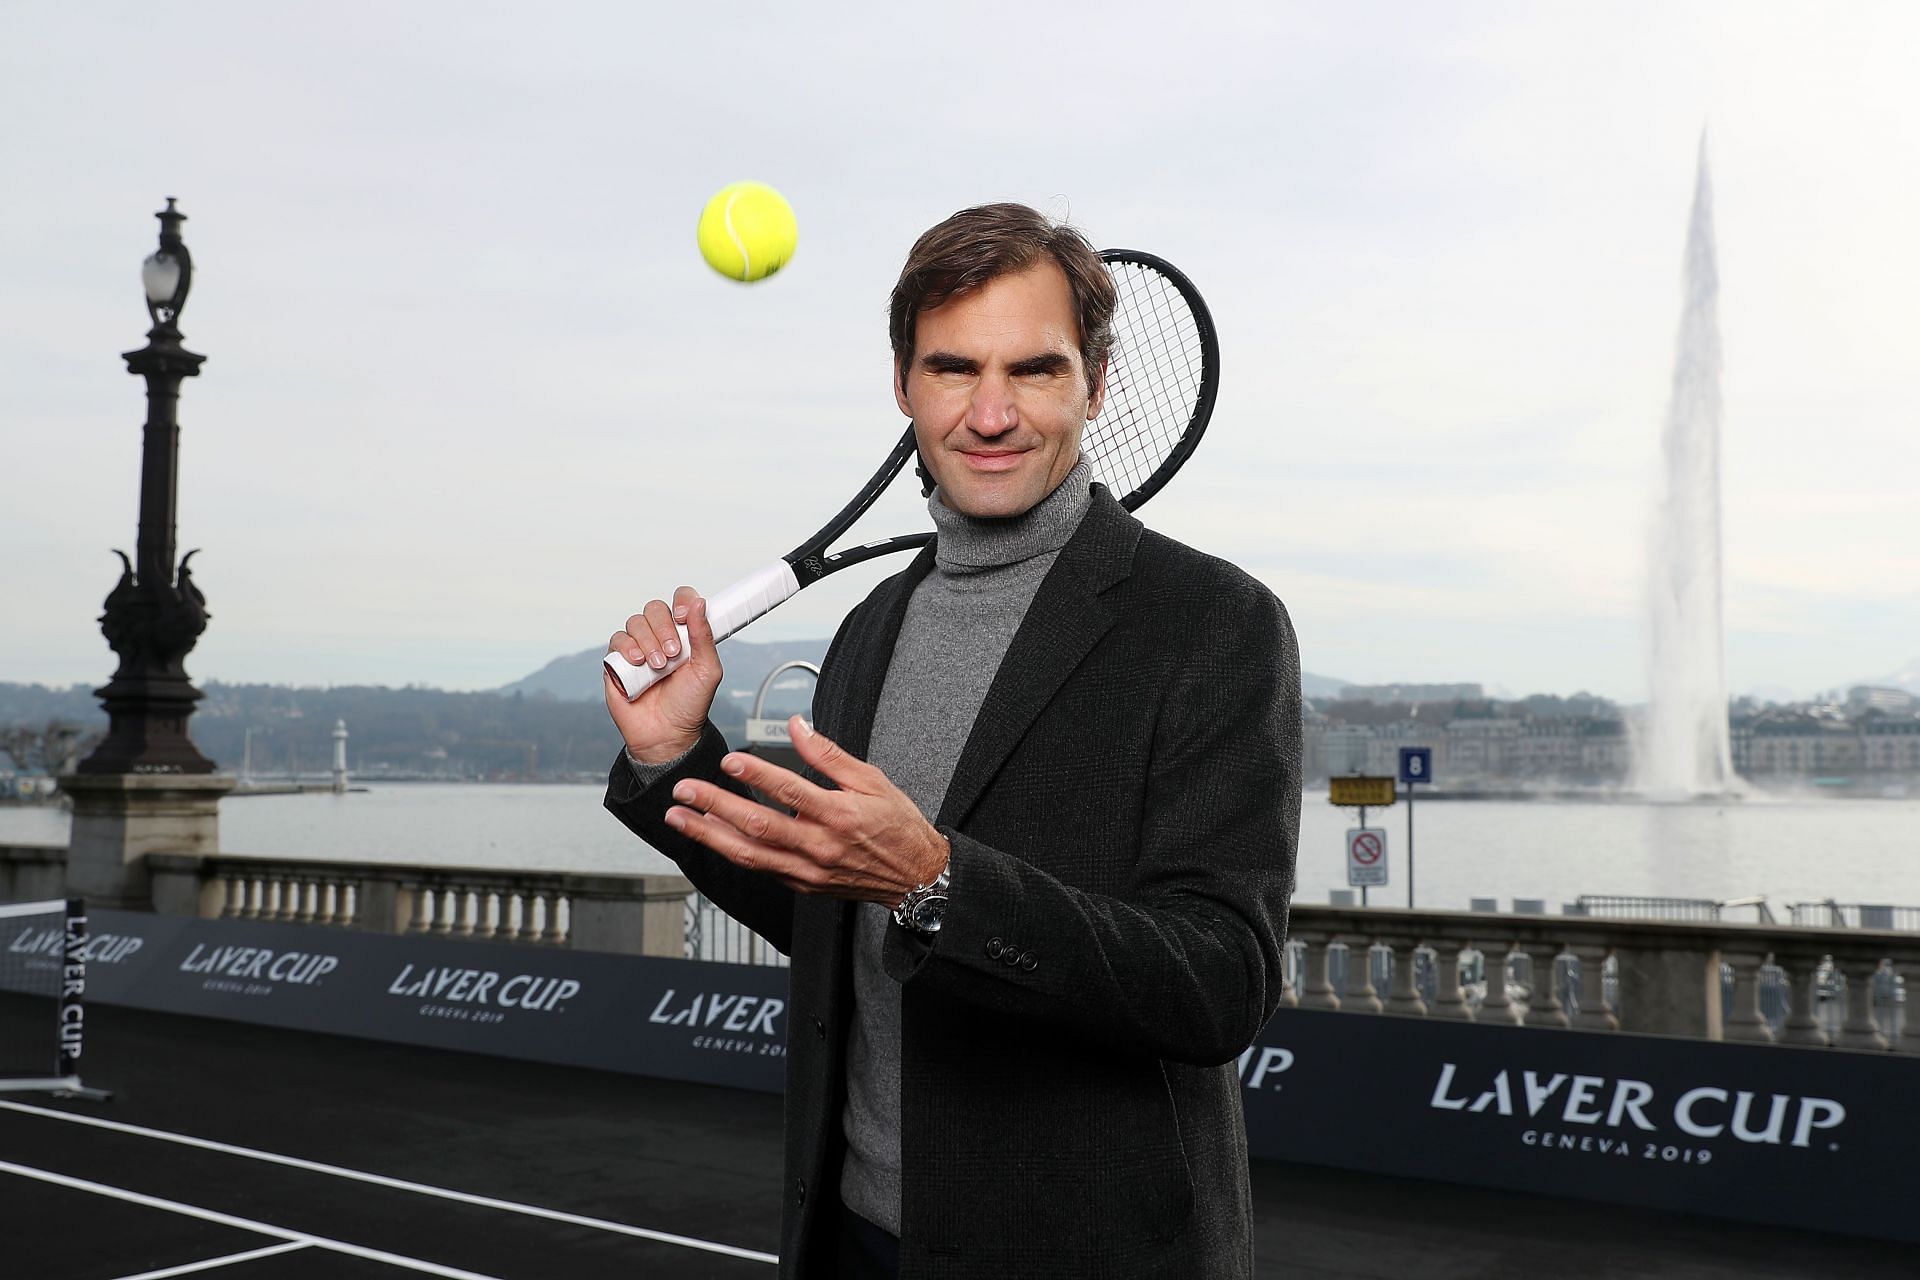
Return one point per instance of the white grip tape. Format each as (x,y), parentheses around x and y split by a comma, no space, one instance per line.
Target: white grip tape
(728,611)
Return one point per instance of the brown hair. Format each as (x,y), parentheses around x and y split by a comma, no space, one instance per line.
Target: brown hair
(976,245)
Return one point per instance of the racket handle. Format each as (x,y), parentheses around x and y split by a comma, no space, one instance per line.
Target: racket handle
(728,611)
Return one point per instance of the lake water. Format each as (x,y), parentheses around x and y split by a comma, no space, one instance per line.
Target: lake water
(1789,850)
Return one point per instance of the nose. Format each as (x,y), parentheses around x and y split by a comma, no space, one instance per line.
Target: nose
(991,412)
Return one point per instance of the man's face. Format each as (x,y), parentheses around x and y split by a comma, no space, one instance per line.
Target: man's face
(997,391)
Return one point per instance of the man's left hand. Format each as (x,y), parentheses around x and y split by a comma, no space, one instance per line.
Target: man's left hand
(866,841)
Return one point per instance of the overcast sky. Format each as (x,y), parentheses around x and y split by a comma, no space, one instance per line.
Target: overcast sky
(472,396)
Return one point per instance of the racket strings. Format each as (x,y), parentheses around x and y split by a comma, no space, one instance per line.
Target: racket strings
(1154,377)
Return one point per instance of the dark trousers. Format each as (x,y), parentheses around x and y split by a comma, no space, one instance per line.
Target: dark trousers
(867,1252)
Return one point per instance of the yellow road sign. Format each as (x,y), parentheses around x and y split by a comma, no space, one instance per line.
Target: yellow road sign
(1362,791)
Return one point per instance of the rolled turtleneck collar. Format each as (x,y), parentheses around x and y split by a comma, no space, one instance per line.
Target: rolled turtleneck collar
(969,544)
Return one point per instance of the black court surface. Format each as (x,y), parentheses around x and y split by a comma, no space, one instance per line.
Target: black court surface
(243,1153)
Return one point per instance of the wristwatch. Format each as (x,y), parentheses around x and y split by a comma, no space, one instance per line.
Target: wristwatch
(925,906)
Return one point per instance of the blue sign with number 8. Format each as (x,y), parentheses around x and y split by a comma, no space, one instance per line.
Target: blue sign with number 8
(1416,764)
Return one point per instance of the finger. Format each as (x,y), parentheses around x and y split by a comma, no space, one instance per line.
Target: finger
(750,818)
(833,760)
(627,647)
(784,785)
(700,641)
(683,598)
(662,639)
(742,850)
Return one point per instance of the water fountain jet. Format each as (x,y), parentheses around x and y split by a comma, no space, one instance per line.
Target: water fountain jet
(1682,749)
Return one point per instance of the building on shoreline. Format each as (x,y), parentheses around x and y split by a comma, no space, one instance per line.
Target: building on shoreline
(1872,738)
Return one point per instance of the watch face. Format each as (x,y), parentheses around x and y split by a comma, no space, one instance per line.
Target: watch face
(928,914)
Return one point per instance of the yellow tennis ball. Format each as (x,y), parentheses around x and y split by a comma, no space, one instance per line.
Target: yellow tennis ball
(747,231)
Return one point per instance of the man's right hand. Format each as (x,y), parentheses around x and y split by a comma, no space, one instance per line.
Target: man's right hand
(665,721)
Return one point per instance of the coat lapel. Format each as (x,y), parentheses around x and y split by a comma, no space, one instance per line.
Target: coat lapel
(1067,618)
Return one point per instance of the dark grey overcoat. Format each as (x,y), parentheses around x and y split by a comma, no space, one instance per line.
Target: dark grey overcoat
(1123,819)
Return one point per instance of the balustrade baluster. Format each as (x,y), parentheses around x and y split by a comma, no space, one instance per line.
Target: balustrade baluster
(1449,1000)
(234,897)
(1543,1001)
(419,910)
(1858,1031)
(1361,996)
(1403,997)
(556,930)
(1801,971)
(1316,991)
(1592,1012)
(1499,1007)
(1745,1021)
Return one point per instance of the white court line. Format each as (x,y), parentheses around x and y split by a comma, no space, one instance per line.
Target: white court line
(397,1184)
(243,1224)
(209,1264)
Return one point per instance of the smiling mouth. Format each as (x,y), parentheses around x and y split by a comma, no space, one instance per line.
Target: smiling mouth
(993,460)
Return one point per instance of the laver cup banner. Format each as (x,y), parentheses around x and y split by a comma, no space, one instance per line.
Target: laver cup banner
(1816,1138)
(681,1019)
(1766,1133)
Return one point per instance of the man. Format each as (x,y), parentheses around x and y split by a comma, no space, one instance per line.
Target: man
(1037,896)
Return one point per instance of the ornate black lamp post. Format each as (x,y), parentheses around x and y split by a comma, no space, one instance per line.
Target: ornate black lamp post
(155,614)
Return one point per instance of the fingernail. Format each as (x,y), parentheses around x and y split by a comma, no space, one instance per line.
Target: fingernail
(633,656)
(679,613)
(733,765)
(806,729)
(673,648)
(676,818)
(656,659)
(683,792)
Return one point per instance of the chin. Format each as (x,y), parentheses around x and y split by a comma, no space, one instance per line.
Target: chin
(988,503)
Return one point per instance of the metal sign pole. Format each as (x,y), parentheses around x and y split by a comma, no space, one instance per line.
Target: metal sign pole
(1363,827)
(1410,787)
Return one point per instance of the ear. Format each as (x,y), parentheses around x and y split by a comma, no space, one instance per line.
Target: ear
(1099,396)
(900,388)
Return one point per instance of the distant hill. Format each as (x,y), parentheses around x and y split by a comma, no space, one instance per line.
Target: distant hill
(549,726)
(1313,686)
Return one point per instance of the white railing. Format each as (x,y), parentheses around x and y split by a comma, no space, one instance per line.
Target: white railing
(634,914)
(1713,980)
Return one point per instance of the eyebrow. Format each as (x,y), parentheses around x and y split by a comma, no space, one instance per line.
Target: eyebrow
(1049,362)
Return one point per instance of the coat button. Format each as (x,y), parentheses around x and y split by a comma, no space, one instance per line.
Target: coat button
(994,948)
(1012,957)
(820,1028)
(1027,961)
(800,1191)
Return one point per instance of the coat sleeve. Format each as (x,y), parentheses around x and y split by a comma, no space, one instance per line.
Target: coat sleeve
(753,898)
(1185,964)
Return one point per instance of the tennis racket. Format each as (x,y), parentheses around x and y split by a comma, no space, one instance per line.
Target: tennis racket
(1162,375)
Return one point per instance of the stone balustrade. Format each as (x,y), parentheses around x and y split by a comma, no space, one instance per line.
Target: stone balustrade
(1709,979)
(630,914)
(1784,984)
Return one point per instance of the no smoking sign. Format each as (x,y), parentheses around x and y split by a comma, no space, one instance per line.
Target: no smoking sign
(1366,856)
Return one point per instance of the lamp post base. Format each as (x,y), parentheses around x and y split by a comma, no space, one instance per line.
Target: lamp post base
(118,819)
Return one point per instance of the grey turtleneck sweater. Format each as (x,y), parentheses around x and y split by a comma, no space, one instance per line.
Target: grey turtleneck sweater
(959,623)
